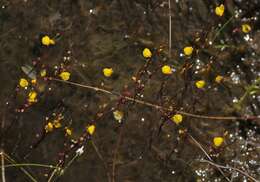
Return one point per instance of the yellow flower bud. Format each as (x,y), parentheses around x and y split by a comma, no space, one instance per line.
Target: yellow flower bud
(33,81)
(57,123)
(43,73)
(48,127)
(167,70)
(219,79)
(23,82)
(188,50)
(91,129)
(118,115)
(177,118)
(65,75)
(220,10)
(200,83)
(147,53)
(246,28)
(32,97)
(107,72)
(218,141)
(68,131)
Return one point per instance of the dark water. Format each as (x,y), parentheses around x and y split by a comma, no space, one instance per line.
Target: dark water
(146,145)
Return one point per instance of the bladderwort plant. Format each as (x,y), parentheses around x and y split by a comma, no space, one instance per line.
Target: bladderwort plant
(174,86)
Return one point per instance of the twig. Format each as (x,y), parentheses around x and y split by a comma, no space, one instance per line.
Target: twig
(158,107)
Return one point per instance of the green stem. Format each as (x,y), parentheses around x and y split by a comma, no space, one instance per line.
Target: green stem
(219,30)
(8,158)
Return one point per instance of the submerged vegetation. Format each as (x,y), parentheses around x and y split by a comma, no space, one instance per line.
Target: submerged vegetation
(130,90)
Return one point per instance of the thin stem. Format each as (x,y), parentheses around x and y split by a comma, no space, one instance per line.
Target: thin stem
(207,155)
(232,168)
(170,28)
(31,164)
(101,158)
(219,30)
(8,158)
(158,107)
(2,165)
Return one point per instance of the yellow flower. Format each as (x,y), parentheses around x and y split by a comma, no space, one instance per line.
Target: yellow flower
(57,123)
(220,10)
(246,28)
(43,73)
(68,131)
(49,127)
(91,129)
(118,115)
(167,70)
(218,141)
(33,81)
(46,40)
(200,83)
(188,50)
(23,82)
(147,53)
(177,118)
(65,75)
(107,72)
(32,97)
(219,79)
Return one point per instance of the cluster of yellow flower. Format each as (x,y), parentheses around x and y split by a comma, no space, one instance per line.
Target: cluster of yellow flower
(56,123)
(32,95)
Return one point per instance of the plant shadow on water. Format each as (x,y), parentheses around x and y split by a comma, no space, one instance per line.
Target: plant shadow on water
(163,114)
